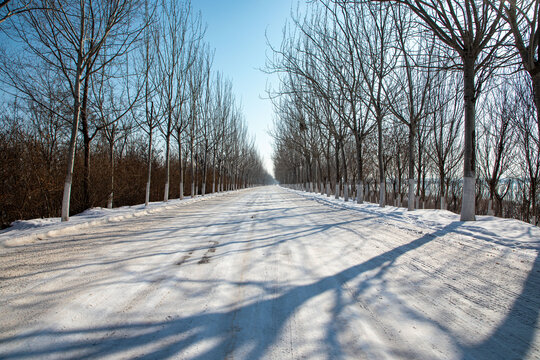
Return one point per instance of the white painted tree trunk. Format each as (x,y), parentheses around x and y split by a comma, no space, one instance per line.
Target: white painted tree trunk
(490,211)
(337,191)
(166,195)
(72,144)
(346,192)
(147,196)
(181,190)
(203,189)
(167,164)
(468,203)
(382,195)
(65,201)
(443,203)
(360,192)
(410,202)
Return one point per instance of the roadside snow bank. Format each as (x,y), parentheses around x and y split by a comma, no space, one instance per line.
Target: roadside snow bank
(498,231)
(22,232)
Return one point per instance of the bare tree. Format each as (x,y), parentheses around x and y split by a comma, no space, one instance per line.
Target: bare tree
(149,78)
(321,83)
(497,141)
(68,37)
(378,31)
(446,119)
(222,108)
(413,79)
(174,58)
(199,72)
(529,141)
(345,60)
(207,114)
(113,103)
(471,29)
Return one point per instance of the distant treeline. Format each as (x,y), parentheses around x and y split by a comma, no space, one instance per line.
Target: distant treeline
(114,103)
(385,95)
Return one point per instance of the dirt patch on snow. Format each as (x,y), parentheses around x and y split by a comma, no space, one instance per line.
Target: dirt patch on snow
(206,257)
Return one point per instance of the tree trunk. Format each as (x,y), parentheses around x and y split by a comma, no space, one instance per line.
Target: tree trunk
(86,168)
(360,171)
(149,171)
(192,173)
(111,162)
(219,177)
(86,141)
(205,167)
(180,166)
(536,94)
(328,175)
(536,90)
(308,173)
(469,157)
(491,186)
(442,189)
(412,143)
(320,175)
(345,177)
(167,165)
(338,179)
(72,146)
(382,180)
(214,172)
(533,187)
(196,176)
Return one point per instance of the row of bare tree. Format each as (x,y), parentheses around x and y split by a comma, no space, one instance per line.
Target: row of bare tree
(128,83)
(397,96)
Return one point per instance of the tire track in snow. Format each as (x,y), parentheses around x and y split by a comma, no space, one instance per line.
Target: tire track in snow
(344,292)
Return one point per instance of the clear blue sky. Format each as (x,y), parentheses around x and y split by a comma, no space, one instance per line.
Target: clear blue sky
(236,29)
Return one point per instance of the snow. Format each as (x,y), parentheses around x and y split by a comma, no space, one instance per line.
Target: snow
(508,232)
(272,273)
(28,231)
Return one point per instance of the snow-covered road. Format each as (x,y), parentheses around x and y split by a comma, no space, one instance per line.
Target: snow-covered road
(269,273)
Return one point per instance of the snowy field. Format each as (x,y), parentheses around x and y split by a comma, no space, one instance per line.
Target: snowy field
(270,273)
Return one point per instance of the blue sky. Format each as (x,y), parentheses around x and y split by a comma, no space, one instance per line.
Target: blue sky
(236,29)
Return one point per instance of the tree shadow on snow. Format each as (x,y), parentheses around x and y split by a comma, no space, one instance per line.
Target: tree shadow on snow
(252,327)
(514,336)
